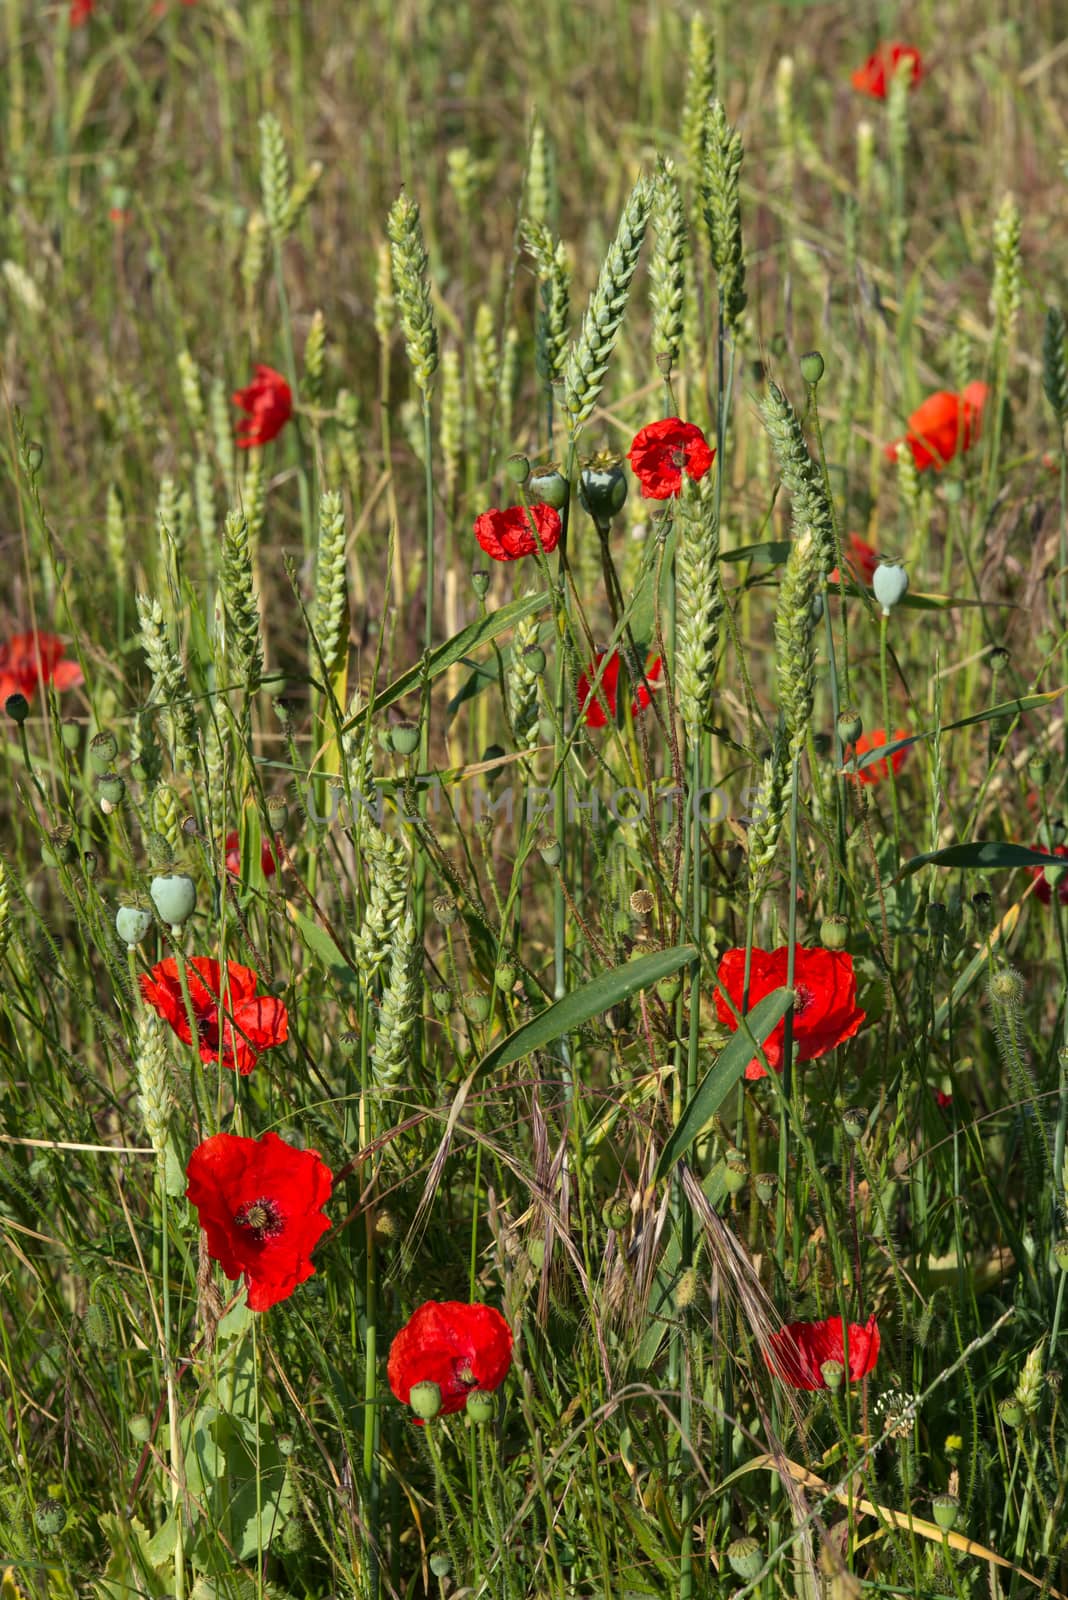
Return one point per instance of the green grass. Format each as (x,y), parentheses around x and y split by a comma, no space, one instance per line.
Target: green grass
(503,1030)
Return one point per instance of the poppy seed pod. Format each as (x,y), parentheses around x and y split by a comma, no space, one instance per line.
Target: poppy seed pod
(1060,1254)
(602,488)
(50,1518)
(480,1406)
(669,989)
(734,1176)
(834,932)
(1010,1411)
(277,812)
(832,1373)
(61,849)
(518,468)
(17,707)
(746,1558)
(103,749)
(132,924)
(891,584)
(850,726)
(548,486)
(550,851)
(71,734)
(945,1509)
(441,1000)
(440,1564)
(404,738)
(480,582)
(504,977)
(112,789)
(425,1400)
(854,1122)
(534,658)
(766,1184)
(140,1428)
(476,1006)
(615,1213)
(812,367)
(174,896)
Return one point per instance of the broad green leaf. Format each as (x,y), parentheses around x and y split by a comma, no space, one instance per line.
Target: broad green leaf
(322,946)
(773,551)
(593,998)
(451,652)
(723,1075)
(981,856)
(1007,709)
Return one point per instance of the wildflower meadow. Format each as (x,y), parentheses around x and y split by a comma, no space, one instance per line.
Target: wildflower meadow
(533,767)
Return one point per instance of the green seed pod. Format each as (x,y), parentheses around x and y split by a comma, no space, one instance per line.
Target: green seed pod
(891,585)
(480,1407)
(812,367)
(746,1558)
(480,582)
(404,738)
(441,999)
(61,849)
(103,749)
(641,902)
(277,812)
(140,1428)
(615,1213)
(425,1400)
(945,1509)
(476,1006)
(602,488)
(440,1564)
(549,486)
(550,851)
(850,726)
(444,908)
(17,707)
(504,977)
(735,1175)
(1000,660)
(1040,768)
(669,989)
(1010,1411)
(935,914)
(71,734)
(285,1444)
(766,1184)
(832,1373)
(132,924)
(50,1518)
(855,1122)
(534,659)
(1060,1254)
(834,932)
(517,468)
(112,790)
(174,896)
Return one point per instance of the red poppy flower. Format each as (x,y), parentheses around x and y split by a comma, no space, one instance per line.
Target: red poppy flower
(861,561)
(29,659)
(457,1346)
(269,403)
(878,771)
(942,1099)
(596,717)
(233,855)
(254,1022)
(877,73)
(1043,891)
(506,535)
(660,452)
(825,1010)
(944,424)
(799,1350)
(260,1203)
(80,12)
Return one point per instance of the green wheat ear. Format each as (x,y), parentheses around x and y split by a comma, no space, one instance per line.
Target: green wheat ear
(588,360)
(667,266)
(800,475)
(239,599)
(723,211)
(411,282)
(330,614)
(400,1005)
(1055,363)
(699,598)
(700,87)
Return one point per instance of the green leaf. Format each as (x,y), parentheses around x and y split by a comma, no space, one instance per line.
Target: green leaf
(451,652)
(593,998)
(722,1076)
(774,551)
(982,856)
(325,950)
(1007,709)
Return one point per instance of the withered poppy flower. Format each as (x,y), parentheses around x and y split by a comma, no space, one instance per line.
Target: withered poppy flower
(799,1350)
(861,560)
(29,659)
(459,1347)
(233,855)
(879,771)
(607,689)
(253,1022)
(506,535)
(260,1203)
(877,73)
(268,402)
(942,425)
(825,1010)
(1043,891)
(661,451)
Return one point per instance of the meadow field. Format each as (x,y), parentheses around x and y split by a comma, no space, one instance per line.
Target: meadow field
(533,881)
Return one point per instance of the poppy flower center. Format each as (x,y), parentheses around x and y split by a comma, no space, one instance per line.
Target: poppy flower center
(463,1372)
(262,1219)
(802,1000)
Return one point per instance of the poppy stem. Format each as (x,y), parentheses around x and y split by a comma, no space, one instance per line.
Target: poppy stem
(884,675)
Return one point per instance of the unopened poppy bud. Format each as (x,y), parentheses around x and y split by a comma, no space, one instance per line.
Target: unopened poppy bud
(480,582)
(132,924)
(425,1400)
(746,1558)
(812,367)
(517,467)
(103,748)
(602,487)
(641,902)
(404,738)
(669,989)
(71,734)
(174,896)
(17,707)
(854,1122)
(440,1564)
(834,932)
(766,1184)
(534,659)
(891,585)
(1060,1254)
(945,1509)
(277,812)
(734,1175)
(550,850)
(1040,768)
(999,660)
(850,726)
(504,977)
(615,1214)
(476,1006)
(549,486)
(445,910)
(50,1518)
(111,789)
(1010,1411)
(480,1406)
(441,1000)
(140,1428)
(832,1373)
